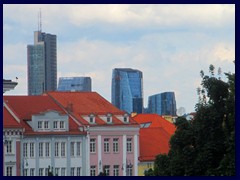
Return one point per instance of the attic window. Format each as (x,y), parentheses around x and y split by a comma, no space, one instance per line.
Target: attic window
(109,118)
(125,118)
(91,118)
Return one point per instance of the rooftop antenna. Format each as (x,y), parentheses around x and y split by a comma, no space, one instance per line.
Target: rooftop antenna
(40,21)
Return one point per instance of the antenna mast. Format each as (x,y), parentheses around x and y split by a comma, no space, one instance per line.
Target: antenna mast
(40,21)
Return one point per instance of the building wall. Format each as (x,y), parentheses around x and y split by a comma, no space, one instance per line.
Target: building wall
(42,63)
(144,166)
(162,104)
(127,90)
(122,158)
(75,84)
(12,158)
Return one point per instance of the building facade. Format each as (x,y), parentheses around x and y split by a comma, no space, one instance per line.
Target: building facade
(8,85)
(113,134)
(162,104)
(42,63)
(155,134)
(48,140)
(127,89)
(75,84)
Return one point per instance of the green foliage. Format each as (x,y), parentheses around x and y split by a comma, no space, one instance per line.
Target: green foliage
(149,172)
(206,145)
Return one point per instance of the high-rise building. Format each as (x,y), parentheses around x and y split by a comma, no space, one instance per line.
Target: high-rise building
(74,84)
(42,63)
(162,104)
(127,89)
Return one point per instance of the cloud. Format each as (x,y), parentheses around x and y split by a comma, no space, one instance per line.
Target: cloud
(170,44)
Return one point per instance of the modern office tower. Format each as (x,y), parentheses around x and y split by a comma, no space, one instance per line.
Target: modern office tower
(127,89)
(75,84)
(42,63)
(162,104)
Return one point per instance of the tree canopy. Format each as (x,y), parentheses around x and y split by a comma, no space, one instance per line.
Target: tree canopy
(205,145)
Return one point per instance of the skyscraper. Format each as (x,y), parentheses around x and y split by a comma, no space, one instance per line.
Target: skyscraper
(162,104)
(127,89)
(74,84)
(42,63)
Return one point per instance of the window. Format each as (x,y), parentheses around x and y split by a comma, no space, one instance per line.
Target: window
(62,125)
(31,149)
(9,147)
(116,170)
(56,149)
(57,171)
(46,125)
(47,145)
(55,125)
(129,145)
(63,149)
(72,148)
(25,172)
(108,119)
(93,171)
(91,119)
(107,170)
(63,172)
(9,170)
(78,148)
(40,125)
(78,171)
(40,149)
(92,145)
(32,171)
(129,171)
(125,118)
(46,171)
(40,172)
(106,145)
(115,145)
(25,149)
(72,172)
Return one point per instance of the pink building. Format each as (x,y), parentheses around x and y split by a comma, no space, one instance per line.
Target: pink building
(112,134)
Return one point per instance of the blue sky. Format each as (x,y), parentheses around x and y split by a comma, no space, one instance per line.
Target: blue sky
(170,44)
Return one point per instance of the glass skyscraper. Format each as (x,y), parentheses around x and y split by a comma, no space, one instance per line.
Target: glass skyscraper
(75,84)
(127,89)
(42,63)
(162,104)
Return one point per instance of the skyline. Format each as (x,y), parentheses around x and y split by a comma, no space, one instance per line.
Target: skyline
(170,44)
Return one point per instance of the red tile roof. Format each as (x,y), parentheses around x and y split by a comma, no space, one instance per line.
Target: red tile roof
(153,141)
(86,103)
(156,121)
(26,106)
(9,121)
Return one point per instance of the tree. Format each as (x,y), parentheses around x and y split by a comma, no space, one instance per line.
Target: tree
(205,145)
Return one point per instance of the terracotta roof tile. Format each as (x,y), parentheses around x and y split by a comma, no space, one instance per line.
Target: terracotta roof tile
(153,141)
(86,103)
(156,121)
(9,121)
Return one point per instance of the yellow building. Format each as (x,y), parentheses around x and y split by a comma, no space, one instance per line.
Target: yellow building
(144,166)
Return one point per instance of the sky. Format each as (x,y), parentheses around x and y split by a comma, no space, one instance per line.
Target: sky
(169,43)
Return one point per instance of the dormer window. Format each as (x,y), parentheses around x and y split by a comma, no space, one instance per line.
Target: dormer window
(92,118)
(40,124)
(62,125)
(46,125)
(125,118)
(55,125)
(109,118)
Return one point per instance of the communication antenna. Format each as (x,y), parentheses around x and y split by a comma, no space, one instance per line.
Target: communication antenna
(181,111)
(40,21)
